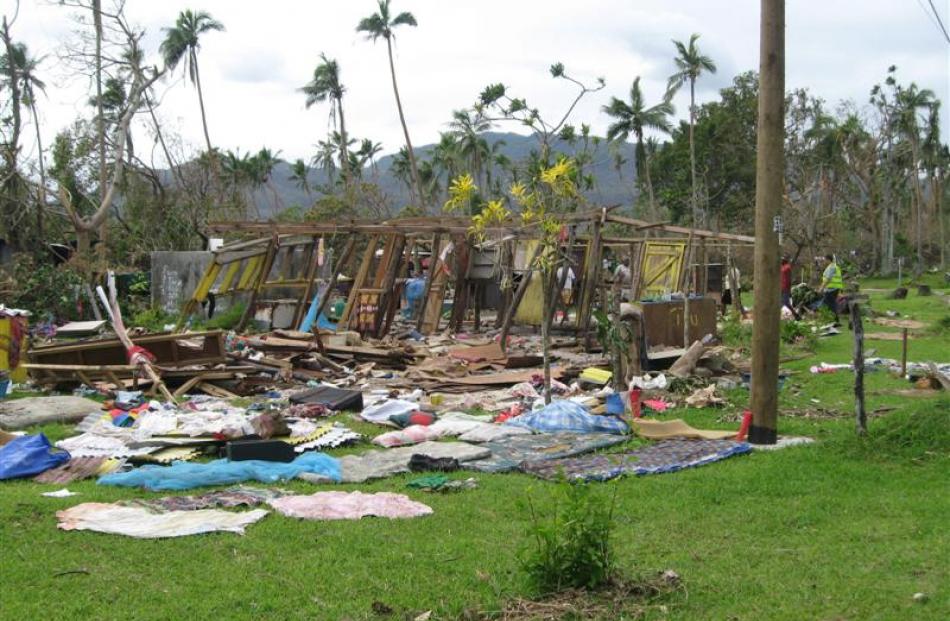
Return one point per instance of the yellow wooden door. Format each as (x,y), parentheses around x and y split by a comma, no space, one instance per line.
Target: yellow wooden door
(660,268)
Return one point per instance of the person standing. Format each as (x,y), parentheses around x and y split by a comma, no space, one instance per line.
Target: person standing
(567,292)
(624,278)
(831,285)
(786,281)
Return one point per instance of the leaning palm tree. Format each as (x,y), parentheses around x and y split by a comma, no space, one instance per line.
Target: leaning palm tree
(326,85)
(633,118)
(690,64)
(182,43)
(381,25)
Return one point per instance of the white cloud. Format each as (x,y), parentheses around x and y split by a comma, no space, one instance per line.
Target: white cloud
(251,71)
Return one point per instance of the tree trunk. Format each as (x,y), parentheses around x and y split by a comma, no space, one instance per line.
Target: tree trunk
(41,198)
(344,155)
(101,126)
(405,130)
(697,217)
(546,338)
(918,213)
(768,201)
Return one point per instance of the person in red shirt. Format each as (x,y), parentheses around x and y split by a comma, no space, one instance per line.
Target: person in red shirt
(786,273)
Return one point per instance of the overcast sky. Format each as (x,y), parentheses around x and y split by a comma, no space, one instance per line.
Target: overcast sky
(251,72)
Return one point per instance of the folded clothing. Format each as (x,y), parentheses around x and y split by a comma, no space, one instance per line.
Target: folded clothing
(349,506)
(568,416)
(145,523)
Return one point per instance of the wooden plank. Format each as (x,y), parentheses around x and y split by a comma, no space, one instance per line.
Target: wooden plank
(358,282)
(433,260)
(683,230)
(215,391)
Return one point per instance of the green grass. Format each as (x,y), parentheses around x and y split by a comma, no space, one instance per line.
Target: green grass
(847,528)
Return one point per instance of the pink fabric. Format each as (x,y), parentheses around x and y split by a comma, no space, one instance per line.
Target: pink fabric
(349,506)
(656,405)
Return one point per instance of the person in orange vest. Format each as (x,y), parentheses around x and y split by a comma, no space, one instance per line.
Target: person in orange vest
(786,280)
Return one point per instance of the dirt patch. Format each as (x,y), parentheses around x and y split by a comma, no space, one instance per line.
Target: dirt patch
(911,324)
(627,599)
(889,336)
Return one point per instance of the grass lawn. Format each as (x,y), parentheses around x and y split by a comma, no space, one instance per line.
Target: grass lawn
(842,529)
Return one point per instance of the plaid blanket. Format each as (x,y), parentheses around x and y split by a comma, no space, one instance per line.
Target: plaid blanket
(665,456)
(568,416)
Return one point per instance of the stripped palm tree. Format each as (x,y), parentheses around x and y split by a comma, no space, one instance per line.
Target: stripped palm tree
(690,64)
(378,25)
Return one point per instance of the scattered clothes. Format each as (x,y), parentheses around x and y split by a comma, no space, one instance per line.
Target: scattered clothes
(143,523)
(676,428)
(25,456)
(60,493)
(413,418)
(489,433)
(615,405)
(568,416)
(829,368)
(506,454)
(646,382)
(349,506)
(424,463)
(442,483)
(704,397)
(657,405)
(338,435)
(184,475)
(230,498)
(450,425)
(384,463)
(75,469)
(381,412)
(783,442)
(665,456)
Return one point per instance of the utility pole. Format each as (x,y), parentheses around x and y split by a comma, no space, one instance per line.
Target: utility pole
(769,185)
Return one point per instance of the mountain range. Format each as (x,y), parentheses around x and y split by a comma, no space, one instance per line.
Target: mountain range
(610,186)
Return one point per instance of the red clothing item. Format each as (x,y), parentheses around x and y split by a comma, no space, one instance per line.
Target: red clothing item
(786,278)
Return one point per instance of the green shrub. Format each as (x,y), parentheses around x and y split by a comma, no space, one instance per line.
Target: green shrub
(152,319)
(226,319)
(735,333)
(571,546)
(45,289)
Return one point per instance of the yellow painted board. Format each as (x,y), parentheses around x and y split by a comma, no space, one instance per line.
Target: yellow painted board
(531,309)
(229,275)
(201,292)
(19,374)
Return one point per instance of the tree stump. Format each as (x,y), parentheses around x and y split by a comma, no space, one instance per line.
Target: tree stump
(898,294)
(924,290)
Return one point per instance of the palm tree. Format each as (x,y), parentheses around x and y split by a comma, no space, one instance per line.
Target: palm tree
(325,85)
(935,162)
(909,101)
(368,151)
(20,64)
(690,64)
(401,169)
(466,127)
(634,118)
(182,43)
(496,159)
(262,168)
(299,171)
(326,159)
(380,25)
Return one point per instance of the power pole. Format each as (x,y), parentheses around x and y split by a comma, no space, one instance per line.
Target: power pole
(769,186)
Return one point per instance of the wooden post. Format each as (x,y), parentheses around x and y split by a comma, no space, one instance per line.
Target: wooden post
(769,187)
(904,352)
(304,302)
(266,266)
(507,260)
(433,260)
(516,300)
(337,270)
(861,419)
(591,281)
(687,285)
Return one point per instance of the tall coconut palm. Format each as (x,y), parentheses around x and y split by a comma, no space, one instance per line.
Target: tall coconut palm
(20,64)
(262,170)
(381,25)
(634,118)
(935,162)
(690,64)
(326,85)
(182,43)
(368,151)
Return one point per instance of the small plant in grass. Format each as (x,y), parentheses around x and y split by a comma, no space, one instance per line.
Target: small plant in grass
(735,333)
(152,319)
(570,546)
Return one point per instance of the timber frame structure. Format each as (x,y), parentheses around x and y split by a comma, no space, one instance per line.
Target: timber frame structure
(376,255)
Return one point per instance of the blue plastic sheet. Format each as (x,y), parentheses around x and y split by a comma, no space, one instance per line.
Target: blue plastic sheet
(186,475)
(568,416)
(25,456)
